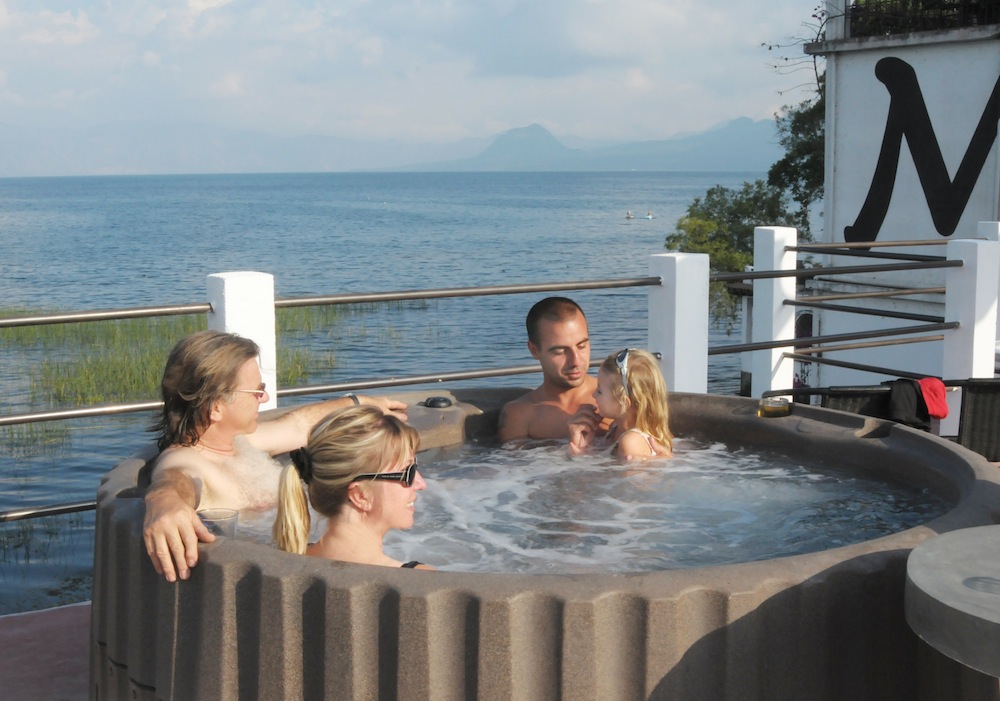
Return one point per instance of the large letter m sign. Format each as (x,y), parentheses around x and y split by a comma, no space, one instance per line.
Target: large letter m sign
(908,117)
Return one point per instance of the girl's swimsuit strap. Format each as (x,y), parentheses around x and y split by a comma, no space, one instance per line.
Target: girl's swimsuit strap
(649,439)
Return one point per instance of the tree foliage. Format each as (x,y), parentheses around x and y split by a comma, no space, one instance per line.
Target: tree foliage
(721,223)
(799,172)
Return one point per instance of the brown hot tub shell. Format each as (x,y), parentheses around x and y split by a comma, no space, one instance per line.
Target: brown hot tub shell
(253,622)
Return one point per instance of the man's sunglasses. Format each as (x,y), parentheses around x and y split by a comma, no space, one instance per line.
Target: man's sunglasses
(621,361)
(406,476)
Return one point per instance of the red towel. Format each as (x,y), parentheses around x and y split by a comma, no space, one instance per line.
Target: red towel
(933,390)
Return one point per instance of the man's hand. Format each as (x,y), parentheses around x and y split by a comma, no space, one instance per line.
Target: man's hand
(171,531)
(583,428)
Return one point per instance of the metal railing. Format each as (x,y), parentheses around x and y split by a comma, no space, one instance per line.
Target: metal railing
(806,349)
(815,344)
(289,302)
(340,299)
(805,273)
(870,18)
(967,336)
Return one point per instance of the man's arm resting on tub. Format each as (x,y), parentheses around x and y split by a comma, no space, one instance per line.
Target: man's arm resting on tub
(172,529)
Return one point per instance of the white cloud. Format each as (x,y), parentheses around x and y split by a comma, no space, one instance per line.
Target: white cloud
(60,28)
(432,70)
(371,51)
(230,85)
(636,79)
(197,7)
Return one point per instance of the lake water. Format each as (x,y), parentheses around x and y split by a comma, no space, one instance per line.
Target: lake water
(92,243)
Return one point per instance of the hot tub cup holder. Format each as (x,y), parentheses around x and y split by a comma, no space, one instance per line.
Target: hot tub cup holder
(437,402)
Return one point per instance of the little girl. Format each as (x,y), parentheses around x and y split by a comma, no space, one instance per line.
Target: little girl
(631,392)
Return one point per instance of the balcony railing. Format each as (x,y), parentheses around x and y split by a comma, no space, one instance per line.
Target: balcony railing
(677,321)
(869,18)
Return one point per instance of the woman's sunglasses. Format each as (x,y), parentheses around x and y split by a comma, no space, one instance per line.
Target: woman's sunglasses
(406,476)
(621,361)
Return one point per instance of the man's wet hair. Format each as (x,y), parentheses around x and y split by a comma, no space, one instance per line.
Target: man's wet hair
(200,369)
(550,309)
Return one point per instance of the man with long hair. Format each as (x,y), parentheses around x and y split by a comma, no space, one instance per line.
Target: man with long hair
(213,450)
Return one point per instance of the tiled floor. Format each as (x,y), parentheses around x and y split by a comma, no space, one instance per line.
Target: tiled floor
(46,654)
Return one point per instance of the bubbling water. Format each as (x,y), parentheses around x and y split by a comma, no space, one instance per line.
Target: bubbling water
(537,510)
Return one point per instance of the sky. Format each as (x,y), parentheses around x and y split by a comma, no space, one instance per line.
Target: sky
(432,71)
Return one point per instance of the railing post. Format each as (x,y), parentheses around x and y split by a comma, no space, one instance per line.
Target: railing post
(837,23)
(243,303)
(772,319)
(971,300)
(989,230)
(746,359)
(678,319)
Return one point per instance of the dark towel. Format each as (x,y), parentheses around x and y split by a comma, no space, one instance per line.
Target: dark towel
(933,391)
(907,406)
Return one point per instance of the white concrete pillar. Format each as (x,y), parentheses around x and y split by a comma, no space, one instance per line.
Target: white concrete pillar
(243,304)
(836,23)
(989,230)
(678,319)
(971,300)
(746,359)
(772,319)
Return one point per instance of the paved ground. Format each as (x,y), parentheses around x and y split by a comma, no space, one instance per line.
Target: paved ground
(46,654)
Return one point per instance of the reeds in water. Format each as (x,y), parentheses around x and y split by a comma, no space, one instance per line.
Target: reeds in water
(100,362)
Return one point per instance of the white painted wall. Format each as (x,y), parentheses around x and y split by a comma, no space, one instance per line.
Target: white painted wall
(956,72)
(956,81)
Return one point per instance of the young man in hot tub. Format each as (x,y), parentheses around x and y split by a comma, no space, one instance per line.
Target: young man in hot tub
(213,451)
(558,338)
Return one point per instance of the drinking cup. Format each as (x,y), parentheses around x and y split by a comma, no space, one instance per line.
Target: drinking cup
(220,521)
(773,407)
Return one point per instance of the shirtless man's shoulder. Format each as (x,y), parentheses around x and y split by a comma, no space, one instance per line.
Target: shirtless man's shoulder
(514,417)
(187,459)
(538,415)
(204,472)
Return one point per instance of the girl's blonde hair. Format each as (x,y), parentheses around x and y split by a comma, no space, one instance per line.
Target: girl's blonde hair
(347,443)
(647,392)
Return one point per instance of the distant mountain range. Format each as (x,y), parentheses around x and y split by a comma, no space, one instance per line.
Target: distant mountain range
(134,148)
(739,145)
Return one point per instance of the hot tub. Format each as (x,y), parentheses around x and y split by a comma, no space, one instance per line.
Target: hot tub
(253,622)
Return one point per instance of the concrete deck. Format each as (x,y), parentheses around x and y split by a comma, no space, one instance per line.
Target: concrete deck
(46,654)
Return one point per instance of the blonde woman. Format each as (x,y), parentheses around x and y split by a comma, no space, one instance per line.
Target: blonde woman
(359,469)
(630,391)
